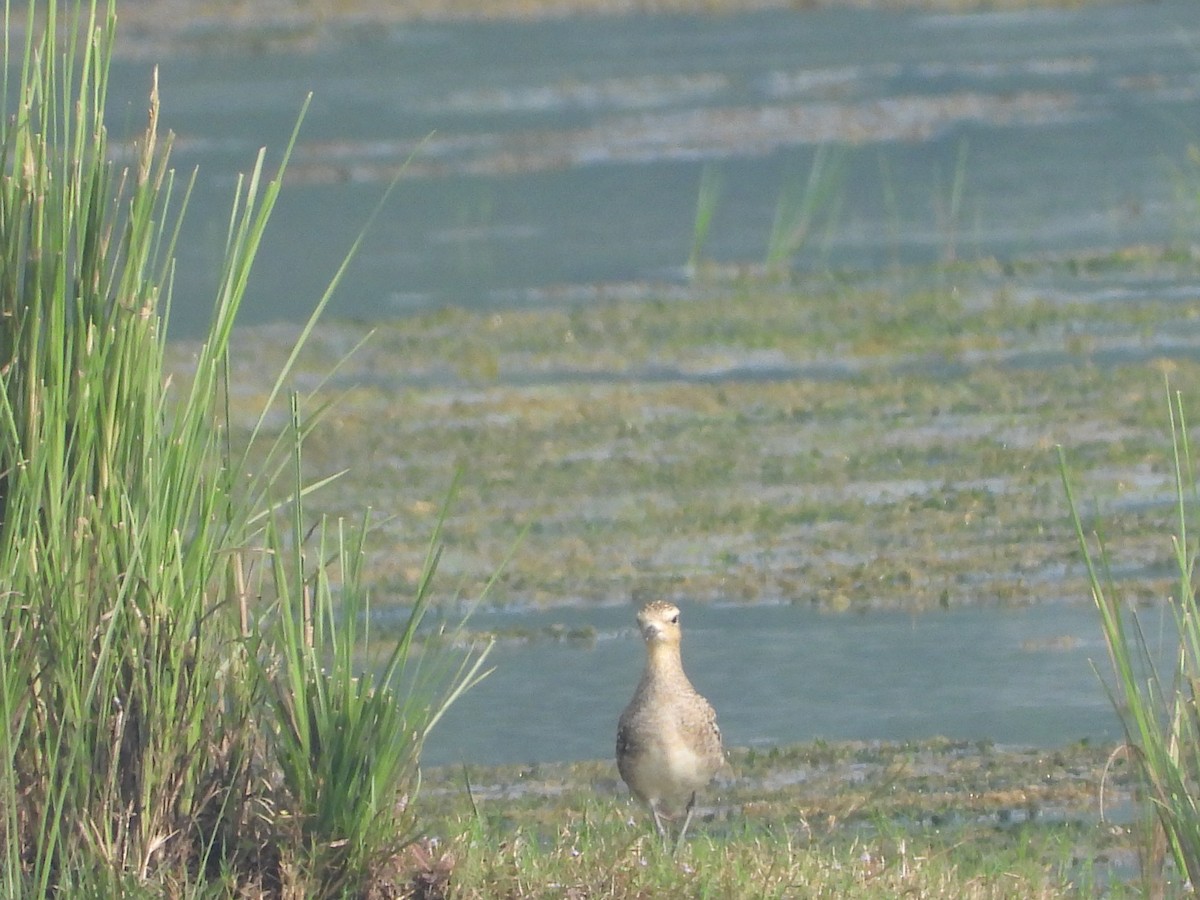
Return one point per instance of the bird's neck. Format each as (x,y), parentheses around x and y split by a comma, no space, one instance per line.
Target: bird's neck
(663,659)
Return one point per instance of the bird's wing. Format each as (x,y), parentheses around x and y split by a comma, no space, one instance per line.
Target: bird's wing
(626,739)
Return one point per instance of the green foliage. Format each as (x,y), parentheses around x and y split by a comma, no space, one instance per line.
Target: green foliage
(805,206)
(948,206)
(347,744)
(594,853)
(162,725)
(1157,700)
(707,196)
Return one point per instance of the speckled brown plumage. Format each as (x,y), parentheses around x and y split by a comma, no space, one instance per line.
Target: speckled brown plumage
(668,743)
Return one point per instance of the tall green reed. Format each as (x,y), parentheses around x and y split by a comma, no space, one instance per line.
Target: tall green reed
(804,207)
(707,196)
(1154,696)
(948,205)
(151,699)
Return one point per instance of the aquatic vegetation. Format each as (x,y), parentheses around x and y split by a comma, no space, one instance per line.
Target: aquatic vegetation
(801,211)
(948,206)
(707,196)
(765,442)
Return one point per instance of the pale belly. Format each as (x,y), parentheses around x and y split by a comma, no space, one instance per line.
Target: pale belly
(670,772)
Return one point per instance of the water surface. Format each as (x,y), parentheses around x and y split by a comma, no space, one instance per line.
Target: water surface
(546,160)
(780,674)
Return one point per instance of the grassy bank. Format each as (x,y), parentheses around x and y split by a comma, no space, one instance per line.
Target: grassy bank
(932,819)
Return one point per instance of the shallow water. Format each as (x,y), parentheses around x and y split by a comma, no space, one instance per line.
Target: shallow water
(779,674)
(547,158)
(553,163)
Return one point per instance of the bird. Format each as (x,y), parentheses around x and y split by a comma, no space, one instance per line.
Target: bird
(668,742)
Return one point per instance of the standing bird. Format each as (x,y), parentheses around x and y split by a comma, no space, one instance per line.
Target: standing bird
(668,743)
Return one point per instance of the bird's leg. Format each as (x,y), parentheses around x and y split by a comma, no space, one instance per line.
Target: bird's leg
(691,805)
(658,823)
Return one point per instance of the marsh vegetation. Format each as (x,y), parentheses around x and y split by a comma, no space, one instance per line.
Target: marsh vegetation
(184,705)
(199,700)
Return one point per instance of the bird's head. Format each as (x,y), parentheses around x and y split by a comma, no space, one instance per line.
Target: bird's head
(659,622)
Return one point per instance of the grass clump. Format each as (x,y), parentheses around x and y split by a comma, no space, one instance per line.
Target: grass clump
(183,706)
(1155,682)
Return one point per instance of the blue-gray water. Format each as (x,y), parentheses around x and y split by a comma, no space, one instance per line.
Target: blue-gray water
(550,162)
(779,674)
(549,159)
